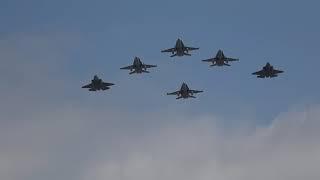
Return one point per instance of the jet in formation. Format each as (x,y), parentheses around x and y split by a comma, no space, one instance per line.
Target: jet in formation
(138,67)
(185,92)
(98,84)
(180,49)
(267,71)
(220,59)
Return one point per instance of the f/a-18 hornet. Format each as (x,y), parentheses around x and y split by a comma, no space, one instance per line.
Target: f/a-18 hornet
(267,71)
(138,67)
(185,92)
(180,49)
(97,84)
(220,59)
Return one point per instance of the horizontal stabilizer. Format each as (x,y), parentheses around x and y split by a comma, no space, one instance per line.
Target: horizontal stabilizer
(133,72)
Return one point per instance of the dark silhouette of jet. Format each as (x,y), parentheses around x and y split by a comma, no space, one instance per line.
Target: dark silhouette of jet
(97,84)
(138,67)
(180,49)
(185,92)
(220,59)
(267,71)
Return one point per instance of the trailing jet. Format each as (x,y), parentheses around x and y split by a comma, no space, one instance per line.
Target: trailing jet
(185,92)
(180,49)
(220,59)
(267,71)
(97,84)
(138,67)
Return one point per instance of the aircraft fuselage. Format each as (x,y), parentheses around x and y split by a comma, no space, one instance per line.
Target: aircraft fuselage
(180,48)
(184,91)
(138,65)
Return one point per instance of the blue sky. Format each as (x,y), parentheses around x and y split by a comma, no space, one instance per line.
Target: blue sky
(111,33)
(49,49)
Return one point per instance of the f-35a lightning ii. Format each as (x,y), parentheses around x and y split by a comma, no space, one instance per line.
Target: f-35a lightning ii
(138,67)
(267,71)
(220,59)
(185,92)
(97,84)
(180,49)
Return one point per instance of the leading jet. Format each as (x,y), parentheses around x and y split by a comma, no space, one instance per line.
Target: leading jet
(180,49)
(267,71)
(97,84)
(220,59)
(185,92)
(138,67)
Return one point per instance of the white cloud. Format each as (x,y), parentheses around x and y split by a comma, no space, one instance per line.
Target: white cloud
(288,149)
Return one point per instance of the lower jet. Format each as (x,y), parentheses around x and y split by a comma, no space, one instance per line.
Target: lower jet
(267,71)
(180,49)
(185,92)
(138,67)
(220,59)
(97,84)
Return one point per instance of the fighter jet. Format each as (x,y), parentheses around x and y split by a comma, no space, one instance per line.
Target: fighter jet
(185,92)
(138,67)
(220,59)
(180,49)
(267,71)
(97,84)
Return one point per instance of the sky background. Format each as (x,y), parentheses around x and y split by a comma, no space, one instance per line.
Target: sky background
(50,128)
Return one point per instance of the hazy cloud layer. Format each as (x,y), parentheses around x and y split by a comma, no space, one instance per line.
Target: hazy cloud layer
(78,143)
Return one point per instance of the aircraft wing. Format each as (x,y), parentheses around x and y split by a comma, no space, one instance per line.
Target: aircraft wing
(88,86)
(258,73)
(208,60)
(174,93)
(232,59)
(277,71)
(107,84)
(191,48)
(128,67)
(149,66)
(195,91)
(169,50)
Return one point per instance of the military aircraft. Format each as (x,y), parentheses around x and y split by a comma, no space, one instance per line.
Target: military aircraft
(97,84)
(220,59)
(138,67)
(185,92)
(180,49)
(267,71)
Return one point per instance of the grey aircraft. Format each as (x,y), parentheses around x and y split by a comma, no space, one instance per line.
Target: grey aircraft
(220,59)
(138,67)
(185,92)
(267,71)
(97,84)
(180,49)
